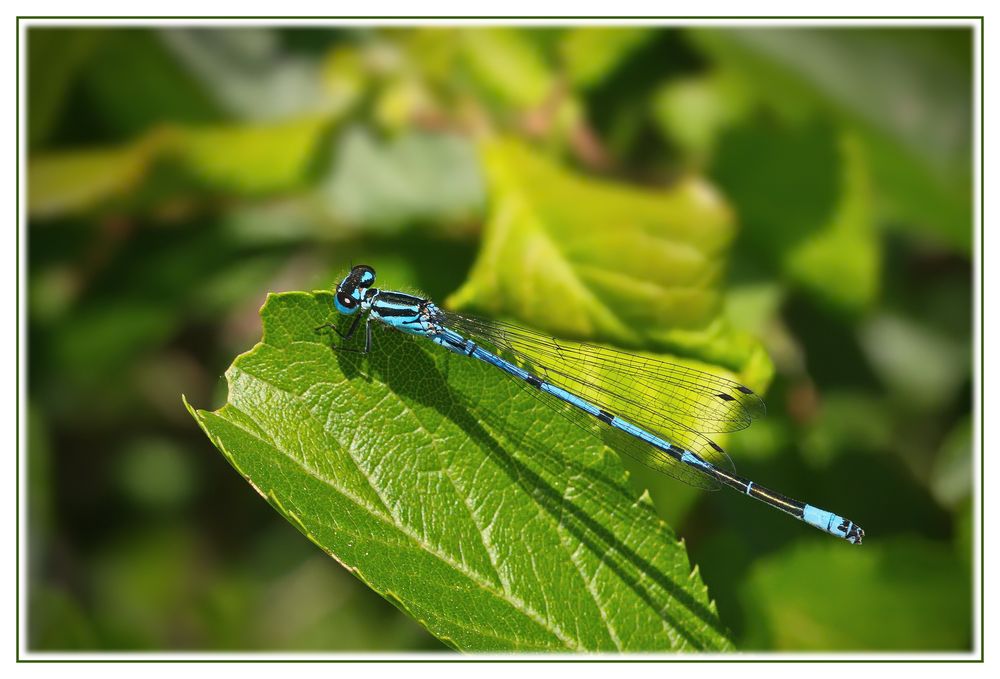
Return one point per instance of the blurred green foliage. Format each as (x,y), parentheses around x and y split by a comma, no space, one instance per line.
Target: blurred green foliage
(823,177)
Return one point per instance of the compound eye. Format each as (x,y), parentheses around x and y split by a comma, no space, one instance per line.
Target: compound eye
(364,274)
(345,303)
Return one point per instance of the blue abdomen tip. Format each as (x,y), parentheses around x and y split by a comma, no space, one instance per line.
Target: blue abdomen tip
(831,523)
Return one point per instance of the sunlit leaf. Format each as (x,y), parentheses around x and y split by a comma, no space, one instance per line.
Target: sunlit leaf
(583,258)
(590,53)
(254,158)
(750,306)
(507,64)
(692,112)
(235,160)
(402,101)
(455,494)
(70,182)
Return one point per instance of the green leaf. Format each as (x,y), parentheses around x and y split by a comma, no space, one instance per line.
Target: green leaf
(820,596)
(588,259)
(840,263)
(238,159)
(906,93)
(508,64)
(752,305)
(252,159)
(803,192)
(497,528)
(71,182)
(590,53)
(411,178)
(783,181)
(692,112)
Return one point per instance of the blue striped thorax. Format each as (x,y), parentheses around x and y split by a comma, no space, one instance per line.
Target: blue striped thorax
(408,313)
(399,310)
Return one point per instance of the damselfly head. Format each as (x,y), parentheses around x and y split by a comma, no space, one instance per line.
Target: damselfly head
(351,290)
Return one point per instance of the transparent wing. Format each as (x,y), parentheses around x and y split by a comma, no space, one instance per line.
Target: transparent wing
(638,449)
(677,403)
(640,385)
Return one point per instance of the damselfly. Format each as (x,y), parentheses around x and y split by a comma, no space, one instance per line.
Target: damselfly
(655,411)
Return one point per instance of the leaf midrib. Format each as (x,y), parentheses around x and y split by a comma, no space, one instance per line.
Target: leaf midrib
(390,520)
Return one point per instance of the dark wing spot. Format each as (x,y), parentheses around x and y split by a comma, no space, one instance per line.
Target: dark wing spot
(726,397)
(745,390)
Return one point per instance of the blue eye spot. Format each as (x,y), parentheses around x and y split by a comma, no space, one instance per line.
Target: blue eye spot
(345,303)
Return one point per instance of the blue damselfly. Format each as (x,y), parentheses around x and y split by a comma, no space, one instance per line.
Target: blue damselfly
(654,411)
